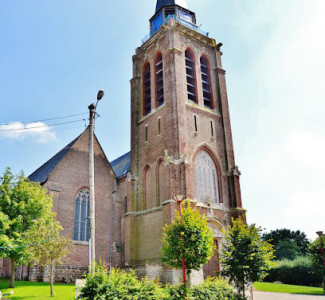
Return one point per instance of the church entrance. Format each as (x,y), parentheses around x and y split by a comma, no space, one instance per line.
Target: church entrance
(213,266)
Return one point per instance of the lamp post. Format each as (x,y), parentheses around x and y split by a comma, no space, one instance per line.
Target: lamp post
(92,111)
(179,200)
(320,234)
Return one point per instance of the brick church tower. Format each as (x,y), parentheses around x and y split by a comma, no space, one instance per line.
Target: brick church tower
(181,141)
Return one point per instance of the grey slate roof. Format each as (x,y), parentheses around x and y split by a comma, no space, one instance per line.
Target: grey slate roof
(41,174)
(121,165)
(162,3)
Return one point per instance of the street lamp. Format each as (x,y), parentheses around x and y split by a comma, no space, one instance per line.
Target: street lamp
(179,199)
(92,111)
(320,234)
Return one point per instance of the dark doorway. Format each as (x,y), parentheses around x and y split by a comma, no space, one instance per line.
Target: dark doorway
(213,266)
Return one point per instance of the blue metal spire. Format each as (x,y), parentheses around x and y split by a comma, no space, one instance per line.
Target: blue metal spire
(162,3)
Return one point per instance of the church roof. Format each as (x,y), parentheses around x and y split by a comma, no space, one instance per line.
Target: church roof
(121,165)
(162,3)
(41,174)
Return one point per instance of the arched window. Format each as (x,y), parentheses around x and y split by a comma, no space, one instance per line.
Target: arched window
(81,216)
(190,75)
(159,80)
(206,178)
(146,90)
(206,82)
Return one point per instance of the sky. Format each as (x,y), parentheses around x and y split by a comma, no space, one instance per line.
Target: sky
(56,55)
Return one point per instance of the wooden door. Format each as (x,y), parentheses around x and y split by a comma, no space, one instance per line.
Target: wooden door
(213,266)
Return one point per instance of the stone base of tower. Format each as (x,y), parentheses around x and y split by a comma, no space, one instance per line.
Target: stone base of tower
(166,274)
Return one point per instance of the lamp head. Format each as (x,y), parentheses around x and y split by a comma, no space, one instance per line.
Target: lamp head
(320,233)
(100,95)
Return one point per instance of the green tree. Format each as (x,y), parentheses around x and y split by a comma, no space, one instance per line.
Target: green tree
(245,257)
(316,254)
(286,243)
(22,203)
(193,239)
(287,249)
(48,246)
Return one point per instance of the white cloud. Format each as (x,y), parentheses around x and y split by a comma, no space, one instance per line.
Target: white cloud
(38,131)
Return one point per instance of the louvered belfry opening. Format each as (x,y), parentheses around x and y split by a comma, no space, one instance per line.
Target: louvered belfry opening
(159,80)
(206,82)
(147,90)
(190,76)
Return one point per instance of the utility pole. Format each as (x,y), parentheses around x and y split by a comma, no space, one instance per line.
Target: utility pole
(92,240)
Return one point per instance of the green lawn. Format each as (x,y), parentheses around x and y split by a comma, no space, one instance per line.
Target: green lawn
(287,288)
(37,290)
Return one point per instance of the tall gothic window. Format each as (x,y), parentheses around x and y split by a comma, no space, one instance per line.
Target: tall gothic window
(206,82)
(81,216)
(159,80)
(146,90)
(190,75)
(206,178)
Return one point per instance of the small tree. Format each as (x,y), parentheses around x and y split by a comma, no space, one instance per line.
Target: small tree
(193,239)
(22,203)
(245,257)
(316,254)
(48,246)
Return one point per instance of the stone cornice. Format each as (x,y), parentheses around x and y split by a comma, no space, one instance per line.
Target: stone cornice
(195,35)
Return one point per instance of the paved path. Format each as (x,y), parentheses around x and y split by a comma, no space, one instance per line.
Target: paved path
(282,296)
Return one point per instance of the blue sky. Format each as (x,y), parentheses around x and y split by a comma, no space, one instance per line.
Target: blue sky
(56,55)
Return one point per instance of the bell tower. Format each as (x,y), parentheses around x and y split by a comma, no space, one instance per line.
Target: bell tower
(181,141)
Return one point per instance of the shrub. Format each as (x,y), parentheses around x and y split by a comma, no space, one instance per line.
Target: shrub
(119,285)
(94,283)
(215,289)
(210,289)
(299,271)
(177,292)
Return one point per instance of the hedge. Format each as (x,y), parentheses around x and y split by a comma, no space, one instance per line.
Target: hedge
(298,271)
(122,285)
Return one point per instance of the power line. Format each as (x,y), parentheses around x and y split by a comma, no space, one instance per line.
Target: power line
(50,119)
(43,126)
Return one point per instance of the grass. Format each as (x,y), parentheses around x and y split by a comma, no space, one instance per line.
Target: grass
(287,288)
(25,290)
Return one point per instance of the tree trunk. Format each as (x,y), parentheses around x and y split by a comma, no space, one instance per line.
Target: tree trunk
(12,275)
(243,290)
(51,277)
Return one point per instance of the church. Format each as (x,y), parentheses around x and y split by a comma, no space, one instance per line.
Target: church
(181,144)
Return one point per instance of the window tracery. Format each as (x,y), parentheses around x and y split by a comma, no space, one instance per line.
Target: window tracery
(206,178)
(81,216)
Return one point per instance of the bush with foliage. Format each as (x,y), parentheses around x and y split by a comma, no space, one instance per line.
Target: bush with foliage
(210,289)
(119,284)
(299,271)
(215,289)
